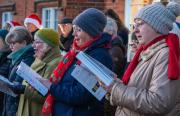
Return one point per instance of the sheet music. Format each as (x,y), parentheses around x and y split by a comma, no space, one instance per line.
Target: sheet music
(88,80)
(98,69)
(4,86)
(31,77)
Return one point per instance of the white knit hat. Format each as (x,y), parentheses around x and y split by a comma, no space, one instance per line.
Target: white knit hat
(34,19)
(160,17)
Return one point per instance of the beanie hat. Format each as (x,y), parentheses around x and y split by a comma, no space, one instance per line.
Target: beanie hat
(13,23)
(92,21)
(34,19)
(65,20)
(3,34)
(111,26)
(49,36)
(160,17)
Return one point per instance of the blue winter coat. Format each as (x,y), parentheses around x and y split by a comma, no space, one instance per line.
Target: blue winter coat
(26,55)
(71,98)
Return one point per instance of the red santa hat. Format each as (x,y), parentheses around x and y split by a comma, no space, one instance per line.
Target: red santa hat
(34,19)
(13,23)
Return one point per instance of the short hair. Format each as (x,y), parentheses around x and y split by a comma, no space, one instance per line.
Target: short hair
(19,34)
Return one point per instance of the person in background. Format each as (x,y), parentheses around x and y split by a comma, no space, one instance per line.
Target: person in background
(33,23)
(133,46)
(150,85)
(20,42)
(47,57)
(66,29)
(67,96)
(117,50)
(4,62)
(10,25)
(122,30)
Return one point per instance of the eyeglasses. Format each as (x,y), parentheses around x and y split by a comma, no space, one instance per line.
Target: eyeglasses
(76,29)
(137,24)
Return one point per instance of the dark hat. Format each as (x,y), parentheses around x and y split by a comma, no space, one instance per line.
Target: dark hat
(65,20)
(3,33)
(92,21)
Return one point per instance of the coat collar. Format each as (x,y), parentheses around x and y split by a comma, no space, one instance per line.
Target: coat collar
(148,53)
(103,41)
(15,56)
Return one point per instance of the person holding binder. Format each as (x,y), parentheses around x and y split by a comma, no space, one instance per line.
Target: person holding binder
(47,57)
(67,97)
(20,43)
(150,85)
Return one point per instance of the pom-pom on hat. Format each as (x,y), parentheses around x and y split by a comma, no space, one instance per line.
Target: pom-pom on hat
(92,21)
(49,36)
(160,17)
(34,19)
(13,23)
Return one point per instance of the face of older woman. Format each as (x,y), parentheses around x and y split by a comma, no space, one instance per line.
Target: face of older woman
(14,45)
(40,48)
(144,32)
(81,36)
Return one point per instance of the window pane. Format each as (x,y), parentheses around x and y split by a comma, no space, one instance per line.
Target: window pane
(6,16)
(50,18)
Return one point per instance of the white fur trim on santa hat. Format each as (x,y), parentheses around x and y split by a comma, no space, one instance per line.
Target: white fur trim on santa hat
(33,21)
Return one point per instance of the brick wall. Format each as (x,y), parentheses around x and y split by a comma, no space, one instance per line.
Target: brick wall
(25,7)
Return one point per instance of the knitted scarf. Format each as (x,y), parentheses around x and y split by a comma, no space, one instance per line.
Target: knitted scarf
(60,70)
(172,42)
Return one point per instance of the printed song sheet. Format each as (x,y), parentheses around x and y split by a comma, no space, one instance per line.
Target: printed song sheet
(88,80)
(31,77)
(5,86)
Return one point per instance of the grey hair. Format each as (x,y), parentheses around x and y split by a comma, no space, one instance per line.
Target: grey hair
(19,34)
(111,26)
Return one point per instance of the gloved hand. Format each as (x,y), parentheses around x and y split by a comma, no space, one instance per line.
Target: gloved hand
(17,88)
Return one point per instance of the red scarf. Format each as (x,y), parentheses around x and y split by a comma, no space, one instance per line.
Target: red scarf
(173,64)
(60,70)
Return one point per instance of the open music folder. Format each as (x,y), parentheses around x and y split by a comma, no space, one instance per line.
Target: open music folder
(89,72)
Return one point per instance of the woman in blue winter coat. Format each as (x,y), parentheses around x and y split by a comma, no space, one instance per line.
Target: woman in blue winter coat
(19,40)
(67,96)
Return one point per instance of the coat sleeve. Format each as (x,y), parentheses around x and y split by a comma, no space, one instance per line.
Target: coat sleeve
(157,99)
(74,93)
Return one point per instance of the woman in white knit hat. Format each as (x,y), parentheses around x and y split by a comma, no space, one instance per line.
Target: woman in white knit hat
(150,85)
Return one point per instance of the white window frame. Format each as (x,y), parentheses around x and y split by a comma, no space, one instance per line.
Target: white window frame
(6,16)
(128,13)
(50,17)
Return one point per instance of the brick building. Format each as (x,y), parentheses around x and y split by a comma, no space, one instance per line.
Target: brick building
(51,11)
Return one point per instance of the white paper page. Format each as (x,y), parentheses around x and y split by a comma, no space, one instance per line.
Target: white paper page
(88,80)
(4,86)
(103,73)
(31,77)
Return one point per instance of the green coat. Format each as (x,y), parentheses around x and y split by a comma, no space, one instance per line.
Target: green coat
(31,102)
